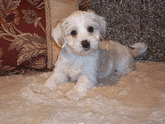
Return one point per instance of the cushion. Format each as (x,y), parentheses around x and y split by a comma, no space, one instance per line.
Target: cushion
(25,32)
(58,9)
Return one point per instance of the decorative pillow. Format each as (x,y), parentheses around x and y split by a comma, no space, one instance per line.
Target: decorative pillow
(58,9)
(25,32)
(22,34)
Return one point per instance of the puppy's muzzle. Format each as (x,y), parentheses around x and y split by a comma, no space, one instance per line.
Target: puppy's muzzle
(85,44)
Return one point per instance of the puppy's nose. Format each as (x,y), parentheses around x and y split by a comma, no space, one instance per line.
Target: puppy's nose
(85,44)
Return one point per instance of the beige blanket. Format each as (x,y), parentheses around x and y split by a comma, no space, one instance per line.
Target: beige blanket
(138,97)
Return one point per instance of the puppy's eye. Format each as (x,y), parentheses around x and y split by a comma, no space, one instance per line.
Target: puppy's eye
(90,29)
(73,33)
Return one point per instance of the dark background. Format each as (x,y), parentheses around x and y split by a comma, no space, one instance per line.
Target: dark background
(131,21)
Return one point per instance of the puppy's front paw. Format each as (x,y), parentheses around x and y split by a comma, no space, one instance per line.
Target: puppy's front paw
(41,89)
(74,95)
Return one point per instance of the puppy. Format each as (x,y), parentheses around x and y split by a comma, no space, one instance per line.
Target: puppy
(83,58)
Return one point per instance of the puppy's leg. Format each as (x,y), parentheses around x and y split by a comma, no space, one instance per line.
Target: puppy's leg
(80,89)
(55,79)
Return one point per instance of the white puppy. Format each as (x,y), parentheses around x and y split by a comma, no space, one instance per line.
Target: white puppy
(82,60)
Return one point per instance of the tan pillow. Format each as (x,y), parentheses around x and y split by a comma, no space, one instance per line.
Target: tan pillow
(56,10)
(61,8)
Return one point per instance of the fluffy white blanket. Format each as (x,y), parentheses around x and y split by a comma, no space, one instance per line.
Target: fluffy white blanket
(138,97)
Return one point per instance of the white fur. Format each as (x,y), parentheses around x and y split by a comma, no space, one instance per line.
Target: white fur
(81,64)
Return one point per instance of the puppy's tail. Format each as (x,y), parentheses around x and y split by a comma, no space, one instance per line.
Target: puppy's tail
(138,48)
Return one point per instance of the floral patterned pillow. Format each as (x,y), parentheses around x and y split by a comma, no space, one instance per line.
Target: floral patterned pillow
(25,32)
(22,34)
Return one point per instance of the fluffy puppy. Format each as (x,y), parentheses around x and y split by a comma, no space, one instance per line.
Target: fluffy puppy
(81,59)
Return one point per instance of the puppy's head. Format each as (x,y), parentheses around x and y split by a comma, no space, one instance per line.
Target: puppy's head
(81,32)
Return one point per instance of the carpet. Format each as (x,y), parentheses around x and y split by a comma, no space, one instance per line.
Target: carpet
(138,97)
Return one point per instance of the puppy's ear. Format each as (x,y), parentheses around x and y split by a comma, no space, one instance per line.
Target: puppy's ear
(102,26)
(58,35)
(102,23)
